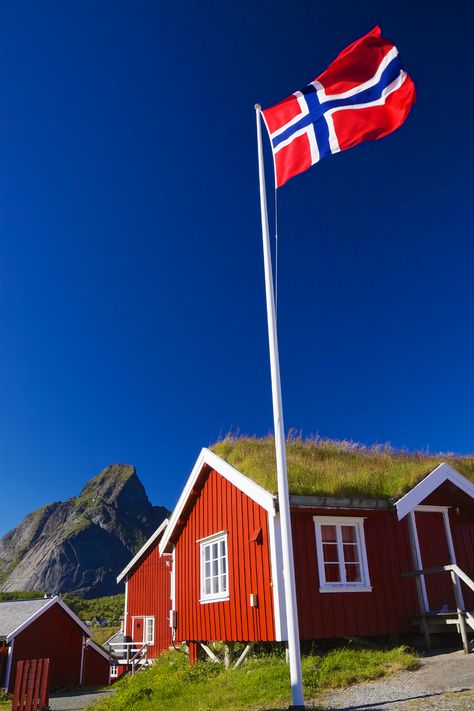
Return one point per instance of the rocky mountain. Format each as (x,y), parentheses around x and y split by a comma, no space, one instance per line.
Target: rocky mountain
(80,545)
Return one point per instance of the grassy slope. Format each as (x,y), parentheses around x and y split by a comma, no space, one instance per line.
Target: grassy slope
(332,468)
(110,607)
(261,683)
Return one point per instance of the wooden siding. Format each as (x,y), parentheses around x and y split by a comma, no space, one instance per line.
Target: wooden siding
(385,609)
(149,596)
(56,636)
(220,506)
(96,668)
(462,528)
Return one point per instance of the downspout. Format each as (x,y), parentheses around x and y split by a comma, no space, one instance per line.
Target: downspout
(9,665)
(81,673)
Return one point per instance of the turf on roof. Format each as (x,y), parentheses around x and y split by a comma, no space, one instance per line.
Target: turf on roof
(322,467)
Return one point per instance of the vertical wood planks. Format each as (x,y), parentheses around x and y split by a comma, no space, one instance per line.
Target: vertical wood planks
(220,506)
(31,685)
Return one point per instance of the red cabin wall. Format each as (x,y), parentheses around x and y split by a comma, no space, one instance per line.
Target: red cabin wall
(385,609)
(148,595)
(56,636)
(462,529)
(220,506)
(96,668)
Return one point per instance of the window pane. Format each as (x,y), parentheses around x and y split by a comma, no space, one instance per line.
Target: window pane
(222,549)
(223,583)
(215,568)
(328,534)
(207,552)
(331,572)
(215,584)
(207,570)
(351,553)
(207,586)
(214,550)
(353,573)
(224,565)
(330,553)
(348,534)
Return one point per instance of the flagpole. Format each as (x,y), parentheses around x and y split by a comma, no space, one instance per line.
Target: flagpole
(280,446)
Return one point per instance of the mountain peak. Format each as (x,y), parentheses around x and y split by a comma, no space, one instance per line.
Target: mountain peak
(110,482)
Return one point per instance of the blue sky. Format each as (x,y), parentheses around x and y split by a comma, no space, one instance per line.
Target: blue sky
(132,314)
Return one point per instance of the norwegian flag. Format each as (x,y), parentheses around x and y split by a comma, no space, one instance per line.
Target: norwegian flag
(363,95)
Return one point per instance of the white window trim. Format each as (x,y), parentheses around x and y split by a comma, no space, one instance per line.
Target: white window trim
(144,619)
(358,522)
(213,597)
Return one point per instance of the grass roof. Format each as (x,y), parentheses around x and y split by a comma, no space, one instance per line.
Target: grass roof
(324,467)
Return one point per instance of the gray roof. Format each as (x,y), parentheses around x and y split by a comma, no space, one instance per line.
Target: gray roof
(15,612)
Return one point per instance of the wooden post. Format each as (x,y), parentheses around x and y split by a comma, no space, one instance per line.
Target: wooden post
(461,611)
(193,652)
(419,590)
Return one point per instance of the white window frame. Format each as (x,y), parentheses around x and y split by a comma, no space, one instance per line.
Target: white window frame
(113,671)
(145,620)
(203,543)
(342,586)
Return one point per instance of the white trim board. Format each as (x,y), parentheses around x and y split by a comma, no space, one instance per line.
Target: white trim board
(426,486)
(52,601)
(143,550)
(257,493)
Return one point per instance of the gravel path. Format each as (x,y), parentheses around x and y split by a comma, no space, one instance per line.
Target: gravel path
(444,682)
(76,700)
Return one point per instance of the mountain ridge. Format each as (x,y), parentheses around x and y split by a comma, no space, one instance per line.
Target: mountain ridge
(81,544)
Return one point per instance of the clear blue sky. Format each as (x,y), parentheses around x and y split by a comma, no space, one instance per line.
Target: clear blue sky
(132,315)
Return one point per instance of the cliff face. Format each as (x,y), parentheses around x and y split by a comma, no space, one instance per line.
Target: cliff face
(80,545)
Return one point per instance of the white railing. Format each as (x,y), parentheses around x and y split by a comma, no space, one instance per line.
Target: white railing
(130,654)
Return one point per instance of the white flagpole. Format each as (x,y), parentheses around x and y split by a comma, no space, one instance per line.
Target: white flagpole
(280,447)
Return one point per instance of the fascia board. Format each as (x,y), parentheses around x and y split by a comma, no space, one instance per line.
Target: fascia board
(443,472)
(42,610)
(254,491)
(142,550)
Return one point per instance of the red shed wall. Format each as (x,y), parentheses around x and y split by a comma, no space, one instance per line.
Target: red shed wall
(148,595)
(56,636)
(96,668)
(462,529)
(220,506)
(383,610)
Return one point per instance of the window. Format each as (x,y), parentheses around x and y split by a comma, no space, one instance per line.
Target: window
(342,558)
(214,573)
(113,671)
(149,632)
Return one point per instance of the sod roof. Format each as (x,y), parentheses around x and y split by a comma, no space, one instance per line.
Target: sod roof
(323,467)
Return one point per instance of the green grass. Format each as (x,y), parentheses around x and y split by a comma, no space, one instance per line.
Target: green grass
(323,467)
(102,634)
(262,683)
(24,595)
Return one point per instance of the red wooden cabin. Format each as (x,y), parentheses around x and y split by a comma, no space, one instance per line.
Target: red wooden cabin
(44,628)
(146,628)
(225,581)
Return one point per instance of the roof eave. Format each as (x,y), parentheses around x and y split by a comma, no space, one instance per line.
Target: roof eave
(142,550)
(208,458)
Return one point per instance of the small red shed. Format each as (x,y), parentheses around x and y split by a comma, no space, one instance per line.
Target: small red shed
(214,571)
(96,671)
(43,628)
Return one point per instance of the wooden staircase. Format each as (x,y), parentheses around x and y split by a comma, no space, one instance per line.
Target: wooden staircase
(431,622)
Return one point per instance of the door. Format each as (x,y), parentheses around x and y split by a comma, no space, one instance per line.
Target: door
(138,630)
(435,550)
